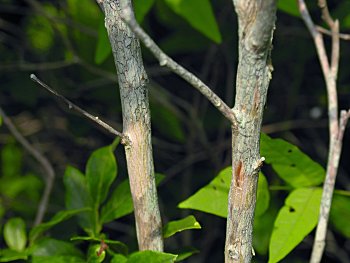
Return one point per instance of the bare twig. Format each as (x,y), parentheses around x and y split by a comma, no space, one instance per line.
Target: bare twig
(336,126)
(49,176)
(164,60)
(124,139)
(329,33)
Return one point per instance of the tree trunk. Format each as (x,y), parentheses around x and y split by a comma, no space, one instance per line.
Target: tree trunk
(256,22)
(133,80)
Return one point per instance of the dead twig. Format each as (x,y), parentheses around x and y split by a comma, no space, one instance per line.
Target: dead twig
(336,125)
(124,139)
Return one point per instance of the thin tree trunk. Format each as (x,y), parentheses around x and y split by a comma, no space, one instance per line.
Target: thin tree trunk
(256,22)
(133,80)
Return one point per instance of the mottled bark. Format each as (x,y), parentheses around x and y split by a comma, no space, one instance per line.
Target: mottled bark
(256,21)
(132,80)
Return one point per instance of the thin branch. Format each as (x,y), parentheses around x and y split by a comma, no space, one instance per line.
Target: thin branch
(336,126)
(49,176)
(124,139)
(164,60)
(329,33)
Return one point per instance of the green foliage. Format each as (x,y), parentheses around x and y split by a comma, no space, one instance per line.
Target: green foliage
(289,6)
(11,160)
(141,8)
(199,14)
(103,48)
(58,218)
(101,170)
(173,227)
(213,198)
(291,164)
(151,257)
(295,220)
(340,214)
(77,196)
(15,234)
(52,250)
(7,255)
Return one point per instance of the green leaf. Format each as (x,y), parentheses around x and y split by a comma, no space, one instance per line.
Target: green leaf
(120,203)
(0,121)
(340,214)
(212,198)
(186,253)
(291,164)
(119,259)
(93,256)
(199,14)
(289,6)
(142,7)
(295,220)
(77,195)
(103,49)
(173,227)
(58,218)
(151,257)
(101,170)
(57,259)
(7,255)
(263,196)
(15,234)
(11,161)
(53,247)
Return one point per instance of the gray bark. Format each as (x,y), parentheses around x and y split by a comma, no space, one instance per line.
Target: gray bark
(132,80)
(256,21)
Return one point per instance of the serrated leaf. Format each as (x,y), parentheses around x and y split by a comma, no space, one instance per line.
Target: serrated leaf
(291,164)
(340,214)
(294,222)
(176,226)
(101,170)
(53,250)
(7,255)
(58,218)
(77,195)
(263,196)
(151,257)
(120,203)
(213,198)
(103,48)
(199,14)
(15,234)
(142,7)
(289,6)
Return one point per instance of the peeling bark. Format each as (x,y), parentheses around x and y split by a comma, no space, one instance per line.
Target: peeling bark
(132,80)
(256,22)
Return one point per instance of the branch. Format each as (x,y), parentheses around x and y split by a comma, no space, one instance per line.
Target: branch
(164,60)
(336,128)
(124,139)
(49,172)
(329,33)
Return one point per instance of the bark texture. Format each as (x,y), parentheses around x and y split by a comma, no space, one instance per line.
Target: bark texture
(256,22)
(132,80)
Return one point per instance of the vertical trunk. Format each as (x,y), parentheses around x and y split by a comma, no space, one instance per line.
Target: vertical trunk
(256,21)
(132,80)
